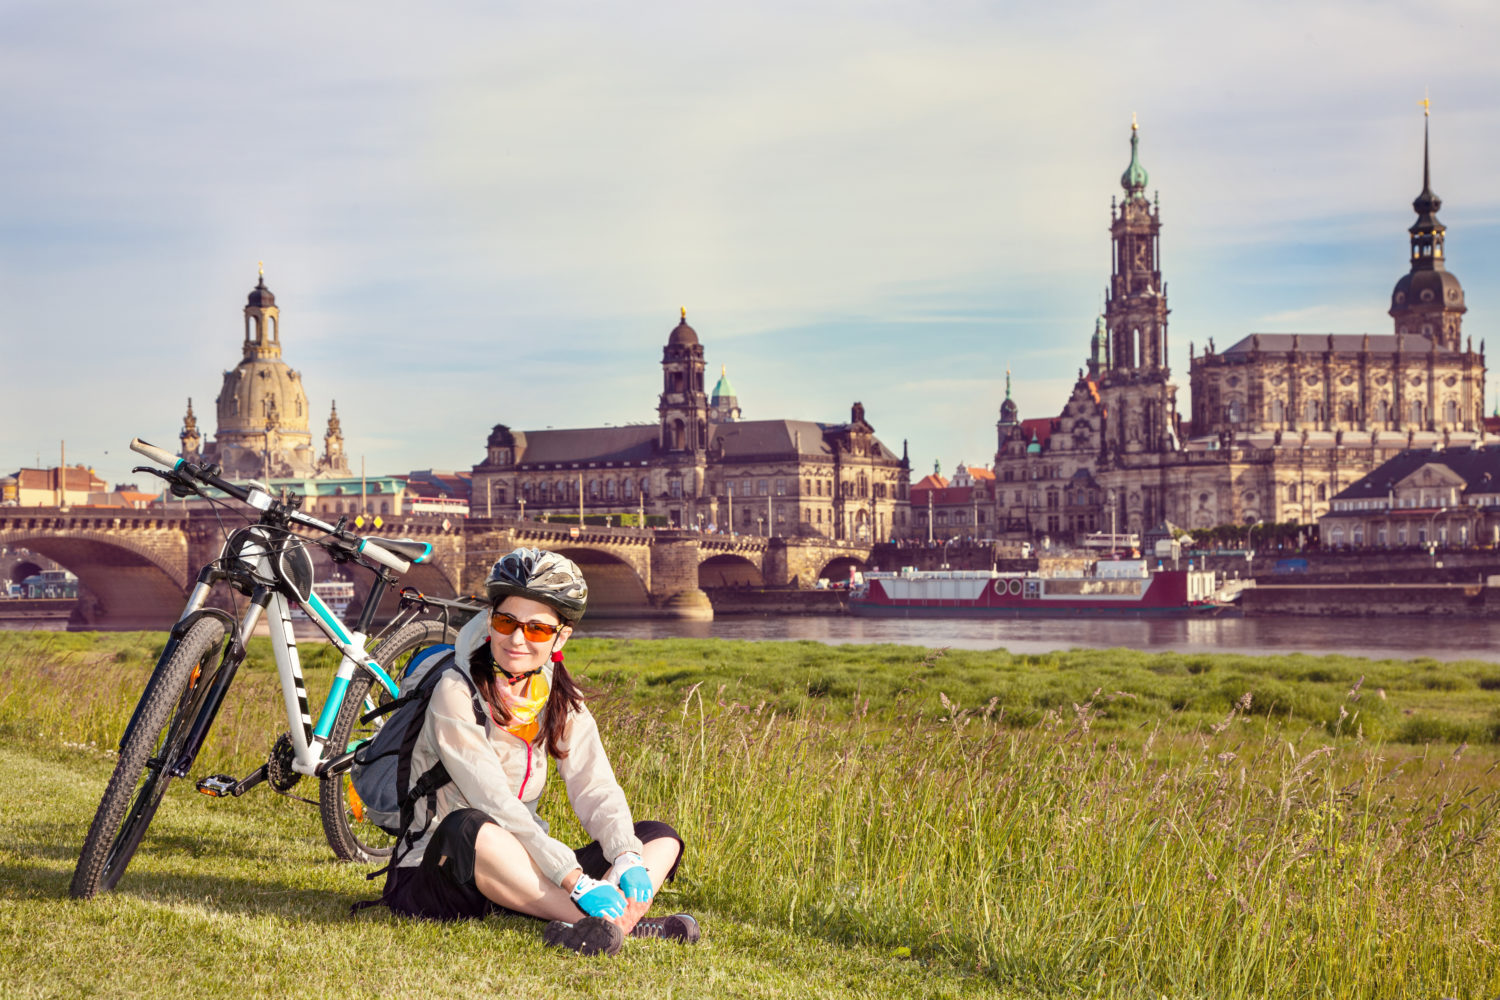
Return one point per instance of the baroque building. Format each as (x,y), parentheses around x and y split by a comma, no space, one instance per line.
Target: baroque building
(262,430)
(1280,422)
(699,465)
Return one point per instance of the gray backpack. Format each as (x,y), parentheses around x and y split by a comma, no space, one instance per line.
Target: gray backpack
(381,771)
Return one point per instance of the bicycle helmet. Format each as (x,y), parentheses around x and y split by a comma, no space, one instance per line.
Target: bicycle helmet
(543,576)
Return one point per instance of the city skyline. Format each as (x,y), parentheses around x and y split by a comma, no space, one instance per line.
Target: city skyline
(473,218)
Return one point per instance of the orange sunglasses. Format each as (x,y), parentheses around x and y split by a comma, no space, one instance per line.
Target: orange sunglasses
(504,624)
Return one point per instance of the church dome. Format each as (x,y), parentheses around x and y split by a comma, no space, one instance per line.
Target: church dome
(260,295)
(1133,180)
(682,334)
(258,389)
(1434,289)
(501,437)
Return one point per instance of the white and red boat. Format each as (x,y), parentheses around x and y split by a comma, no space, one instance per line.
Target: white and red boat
(1123,588)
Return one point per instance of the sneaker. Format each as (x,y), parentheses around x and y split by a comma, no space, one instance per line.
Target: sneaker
(589,936)
(679,927)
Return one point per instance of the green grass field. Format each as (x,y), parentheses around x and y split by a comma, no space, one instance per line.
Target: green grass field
(860,820)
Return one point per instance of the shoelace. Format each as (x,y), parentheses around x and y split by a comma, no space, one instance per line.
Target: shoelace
(651,927)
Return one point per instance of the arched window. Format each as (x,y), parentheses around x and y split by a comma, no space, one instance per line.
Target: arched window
(1322,491)
(629,487)
(1415,411)
(1236,410)
(609,489)
(1382,411)
(593,489)
(1450,411)
(1278,411)
(1291,492)
(1312,411)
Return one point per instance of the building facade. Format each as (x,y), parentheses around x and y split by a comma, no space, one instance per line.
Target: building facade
(1280,423)
(962,507)
(262,411)
(1422,498)
(699,465)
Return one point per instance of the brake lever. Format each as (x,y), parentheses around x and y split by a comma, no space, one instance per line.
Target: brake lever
(179,486)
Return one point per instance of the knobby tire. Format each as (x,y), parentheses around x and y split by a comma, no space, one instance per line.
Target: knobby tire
(170,703)
(350,836)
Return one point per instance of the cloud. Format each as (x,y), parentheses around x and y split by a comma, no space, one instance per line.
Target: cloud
(484,212)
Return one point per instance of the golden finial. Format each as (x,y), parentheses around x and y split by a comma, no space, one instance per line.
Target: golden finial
(262,268)
(1133,125)
(723,370)
(684,314)
(1426,103)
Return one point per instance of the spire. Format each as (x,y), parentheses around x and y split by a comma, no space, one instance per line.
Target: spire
(1133,180)
(1427,232)
(1096,347)
(192,441)
(1007,383)
(333,444)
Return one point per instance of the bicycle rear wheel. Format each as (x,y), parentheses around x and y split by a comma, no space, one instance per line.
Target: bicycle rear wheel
(171,702)
(350,835)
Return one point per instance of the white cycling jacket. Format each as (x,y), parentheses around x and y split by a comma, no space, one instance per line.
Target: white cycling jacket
(502,775)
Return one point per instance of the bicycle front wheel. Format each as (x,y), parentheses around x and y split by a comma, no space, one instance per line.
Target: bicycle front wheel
(150,747)
(351,835)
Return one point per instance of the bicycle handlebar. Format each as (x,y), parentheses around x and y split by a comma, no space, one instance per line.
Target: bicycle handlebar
(260,500)
(154,453)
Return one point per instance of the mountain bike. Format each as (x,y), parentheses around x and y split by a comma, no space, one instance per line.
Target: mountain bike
(266,560)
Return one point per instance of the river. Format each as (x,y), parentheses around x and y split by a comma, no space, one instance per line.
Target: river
(1404,638)
(1376,638)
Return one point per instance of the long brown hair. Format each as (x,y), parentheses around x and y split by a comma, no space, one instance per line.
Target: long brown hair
(563,698)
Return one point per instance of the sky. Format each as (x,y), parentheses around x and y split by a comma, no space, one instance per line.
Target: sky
(475,213)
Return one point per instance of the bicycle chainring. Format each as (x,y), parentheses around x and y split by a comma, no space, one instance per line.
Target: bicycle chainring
(279,771)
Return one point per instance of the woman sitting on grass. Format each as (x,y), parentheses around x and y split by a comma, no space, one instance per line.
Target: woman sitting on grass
(486,850)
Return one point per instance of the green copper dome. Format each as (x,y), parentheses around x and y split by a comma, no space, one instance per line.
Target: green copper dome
(722,389)
(1133,180)
(1035,447)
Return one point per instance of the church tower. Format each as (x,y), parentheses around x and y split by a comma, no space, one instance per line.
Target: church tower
(1428,301)
(192,441)
(1134,382)
(683,406)
(1010,420)
(262,408)
(333,462)
(723,405)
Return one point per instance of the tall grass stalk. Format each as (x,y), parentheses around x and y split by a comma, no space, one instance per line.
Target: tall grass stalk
(1093,847)
(1242,862)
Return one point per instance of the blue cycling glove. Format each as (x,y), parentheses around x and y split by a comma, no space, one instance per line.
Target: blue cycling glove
(630,874)
(596,898)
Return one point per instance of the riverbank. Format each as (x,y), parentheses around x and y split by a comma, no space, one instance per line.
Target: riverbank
(944,823)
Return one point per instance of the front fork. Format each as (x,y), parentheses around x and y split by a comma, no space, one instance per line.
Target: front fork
(229,665)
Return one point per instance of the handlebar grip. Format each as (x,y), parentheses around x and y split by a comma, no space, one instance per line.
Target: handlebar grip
(154,453)
(371,550)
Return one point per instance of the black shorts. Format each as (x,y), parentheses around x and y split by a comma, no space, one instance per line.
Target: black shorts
(441,886)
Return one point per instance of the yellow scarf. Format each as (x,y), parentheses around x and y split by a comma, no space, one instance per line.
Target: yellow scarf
(524,701)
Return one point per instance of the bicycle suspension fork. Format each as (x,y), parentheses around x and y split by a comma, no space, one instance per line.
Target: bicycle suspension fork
(229,665)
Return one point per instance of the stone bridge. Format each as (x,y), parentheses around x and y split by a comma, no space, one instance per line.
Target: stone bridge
(135,567)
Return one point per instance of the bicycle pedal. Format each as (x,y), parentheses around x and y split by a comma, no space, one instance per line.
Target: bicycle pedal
(219,786)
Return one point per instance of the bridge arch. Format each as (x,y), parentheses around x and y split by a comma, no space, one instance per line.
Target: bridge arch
(615,588)
(123,584)
(837,570)
(729,569)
